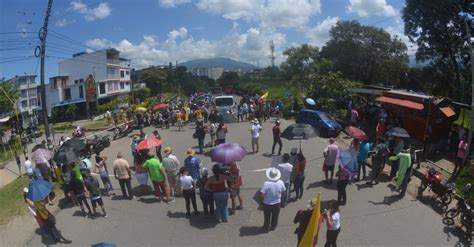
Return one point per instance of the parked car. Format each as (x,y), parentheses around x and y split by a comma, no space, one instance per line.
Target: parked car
(225,104)
(321,121)
(202,98)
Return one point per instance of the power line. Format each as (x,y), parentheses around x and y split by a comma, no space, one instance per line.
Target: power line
(19,59)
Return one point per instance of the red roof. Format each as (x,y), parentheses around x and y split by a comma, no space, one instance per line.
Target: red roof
(401,102)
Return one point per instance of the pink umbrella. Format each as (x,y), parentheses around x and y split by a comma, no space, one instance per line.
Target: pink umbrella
(227,153)
(41,155)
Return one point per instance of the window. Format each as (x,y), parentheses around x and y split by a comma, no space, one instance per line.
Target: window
(81,92)
(111,72)
(110,87)
(122,74)
(127,72)
(76,81)
(101,88)
(116,86)
(63,82)
(24,104)
(81,80)
(122,85)
(33,102)
(67,94)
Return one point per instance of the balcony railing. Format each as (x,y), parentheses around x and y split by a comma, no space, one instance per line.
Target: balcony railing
(118,62)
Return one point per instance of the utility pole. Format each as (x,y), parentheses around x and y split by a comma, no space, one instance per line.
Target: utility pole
(42,36)
(272,53)
(468,151)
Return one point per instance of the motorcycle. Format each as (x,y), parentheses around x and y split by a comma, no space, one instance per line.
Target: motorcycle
(95,145)
(464,210)
(443,190)
(122,131)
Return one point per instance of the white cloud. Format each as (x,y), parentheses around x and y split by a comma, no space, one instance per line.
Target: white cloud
(319,34)
(172,3)
(250,46)
(90,14)
(397,31)
(366,8)
(270,13)
(64,22)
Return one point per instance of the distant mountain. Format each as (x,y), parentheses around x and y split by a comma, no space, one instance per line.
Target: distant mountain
(226,63)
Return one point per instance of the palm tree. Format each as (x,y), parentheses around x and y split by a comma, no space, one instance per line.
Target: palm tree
(9,96)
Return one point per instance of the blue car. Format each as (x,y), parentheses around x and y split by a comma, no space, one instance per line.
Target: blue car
(321,121)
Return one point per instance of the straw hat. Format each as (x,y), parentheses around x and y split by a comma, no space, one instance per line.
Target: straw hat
(255,121)
(167,150)
(311,204)
(190,152)
(273,174)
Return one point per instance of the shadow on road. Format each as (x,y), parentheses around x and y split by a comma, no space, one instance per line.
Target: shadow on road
(437,205)
(458,233)
(45,238)
(250,231)
(200,222)
(388,200)
(363,186)
(149,200)
(322,183)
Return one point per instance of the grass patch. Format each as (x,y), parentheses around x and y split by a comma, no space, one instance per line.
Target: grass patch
(5,157)
(95,124)
(11,199)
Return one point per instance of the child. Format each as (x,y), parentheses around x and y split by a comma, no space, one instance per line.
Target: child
(189,191)
(206,196)
(92,186)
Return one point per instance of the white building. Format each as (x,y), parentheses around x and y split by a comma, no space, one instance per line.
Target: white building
(29,97)
(213,73)
(110,71)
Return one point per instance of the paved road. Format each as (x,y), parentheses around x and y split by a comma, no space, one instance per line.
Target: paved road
(372,216)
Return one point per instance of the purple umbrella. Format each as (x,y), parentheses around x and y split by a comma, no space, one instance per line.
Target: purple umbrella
(228,153)
(41,155)
(348,161)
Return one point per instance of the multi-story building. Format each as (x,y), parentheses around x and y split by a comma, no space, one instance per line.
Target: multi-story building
(29,97)
(213,73)
(110,72)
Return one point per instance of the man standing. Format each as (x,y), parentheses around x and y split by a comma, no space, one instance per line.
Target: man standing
(193,164)
(399,143)
(381,150)
(271,193)
(200,135)
(171,164)
(158,177)
(330,154)
(92,185)
(285,170)
(276,137)
(28,168)
(255,131)
(123,174)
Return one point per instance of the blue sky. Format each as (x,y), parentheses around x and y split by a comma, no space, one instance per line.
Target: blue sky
(153,32)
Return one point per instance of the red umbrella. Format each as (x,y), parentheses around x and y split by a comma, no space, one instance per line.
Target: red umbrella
(160,106)
(356,133)
(148,143)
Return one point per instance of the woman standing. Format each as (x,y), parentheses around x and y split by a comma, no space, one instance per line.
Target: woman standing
(343,176)
(101,166)
(298,170)
(221,133)
(462,147)
(217,184)
(189,191)
(141,174)
(333,222)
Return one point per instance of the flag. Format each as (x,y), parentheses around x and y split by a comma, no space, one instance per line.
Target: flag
(264,96)
(310,237)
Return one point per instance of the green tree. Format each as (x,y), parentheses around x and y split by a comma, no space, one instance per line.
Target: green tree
(142,93)
(155,79)
(11,93)
(365,53)
(437,27)
(228,78)
(71,110)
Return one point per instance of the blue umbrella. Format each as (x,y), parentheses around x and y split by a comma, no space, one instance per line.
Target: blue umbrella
(310,101)
(39,189)
(348,161)
(103,244)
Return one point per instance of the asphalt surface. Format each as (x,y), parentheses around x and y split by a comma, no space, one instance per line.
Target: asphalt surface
(373,216)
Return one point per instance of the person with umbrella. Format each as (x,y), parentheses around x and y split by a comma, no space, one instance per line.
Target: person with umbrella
(37,193)
(158,148)
(276,137)
(255,132)
(343,176)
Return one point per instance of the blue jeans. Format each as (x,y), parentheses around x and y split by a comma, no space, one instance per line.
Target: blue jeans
(141,126)
(299,185)
(286,195)
(221,199)
(201,145)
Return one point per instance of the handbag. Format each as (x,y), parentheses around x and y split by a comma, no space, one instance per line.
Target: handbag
(194,135)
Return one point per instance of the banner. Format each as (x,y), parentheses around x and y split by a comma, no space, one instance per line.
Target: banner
(91,89)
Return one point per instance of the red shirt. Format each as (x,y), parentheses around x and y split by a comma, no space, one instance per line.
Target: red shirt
(380,129)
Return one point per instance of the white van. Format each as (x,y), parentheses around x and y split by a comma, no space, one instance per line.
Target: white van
(224,103)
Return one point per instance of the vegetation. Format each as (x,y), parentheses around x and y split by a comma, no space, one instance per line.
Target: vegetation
(71,110)
(463,179)
(11,93)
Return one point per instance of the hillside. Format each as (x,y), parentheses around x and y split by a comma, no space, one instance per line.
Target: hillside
(226,63)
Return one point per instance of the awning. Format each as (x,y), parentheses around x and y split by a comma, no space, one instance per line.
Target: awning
(464,118)
(447,111)
(401,102)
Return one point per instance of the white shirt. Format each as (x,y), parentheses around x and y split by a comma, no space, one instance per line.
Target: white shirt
(285,169)
(171,163)
(256,130)
(272,192)
(336,221)
(186,182)
(28,167)
(220,134)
